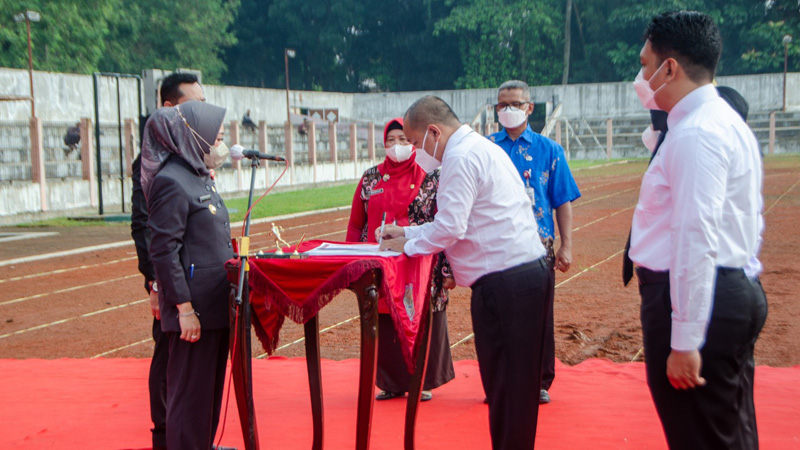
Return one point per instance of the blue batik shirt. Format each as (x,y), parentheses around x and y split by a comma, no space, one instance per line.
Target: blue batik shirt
(550,176)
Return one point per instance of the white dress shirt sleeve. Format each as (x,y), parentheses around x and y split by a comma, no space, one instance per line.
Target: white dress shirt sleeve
(458,189)
(697,172)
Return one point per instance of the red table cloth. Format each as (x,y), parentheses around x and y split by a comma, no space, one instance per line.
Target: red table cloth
(299,288)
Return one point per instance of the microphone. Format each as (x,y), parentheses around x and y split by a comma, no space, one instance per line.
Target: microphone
(238,152)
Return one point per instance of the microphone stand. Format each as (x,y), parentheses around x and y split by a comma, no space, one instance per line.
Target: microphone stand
(241,354)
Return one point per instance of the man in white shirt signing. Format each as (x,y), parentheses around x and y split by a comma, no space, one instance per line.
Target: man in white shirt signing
(485,226)
(694,229)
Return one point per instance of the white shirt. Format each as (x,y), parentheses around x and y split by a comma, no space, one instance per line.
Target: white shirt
(699,207)
(485,223)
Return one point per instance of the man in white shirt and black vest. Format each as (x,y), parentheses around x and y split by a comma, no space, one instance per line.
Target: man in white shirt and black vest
(694,229)
(485,226)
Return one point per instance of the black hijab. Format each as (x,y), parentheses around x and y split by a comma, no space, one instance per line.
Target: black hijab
(187,130)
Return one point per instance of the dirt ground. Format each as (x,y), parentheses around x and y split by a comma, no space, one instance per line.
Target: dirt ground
(93,304)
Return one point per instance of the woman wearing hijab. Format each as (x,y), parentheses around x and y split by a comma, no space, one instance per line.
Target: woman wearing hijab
(190,244)
(401,189)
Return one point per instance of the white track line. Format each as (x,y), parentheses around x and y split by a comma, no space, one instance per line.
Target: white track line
(472,335)
(297,341)
(51,272)
(781,196)
(57,322)
(92,248)
(603,197)
(76,251)
(61,291)
(100,355)
(6,237)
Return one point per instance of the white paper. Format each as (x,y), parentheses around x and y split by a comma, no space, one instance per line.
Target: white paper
(333,249)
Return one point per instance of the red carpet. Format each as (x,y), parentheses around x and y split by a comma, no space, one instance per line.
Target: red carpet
(102,404)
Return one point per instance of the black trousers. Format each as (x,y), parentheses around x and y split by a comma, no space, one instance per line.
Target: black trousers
(157,382)
(508,318)
(195,383)
(549,356)
(721,414)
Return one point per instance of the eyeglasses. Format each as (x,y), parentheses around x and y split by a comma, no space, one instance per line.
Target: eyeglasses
(516,105)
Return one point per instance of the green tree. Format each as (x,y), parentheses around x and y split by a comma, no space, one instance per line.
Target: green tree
(70,37)
(509,39)
(180,33)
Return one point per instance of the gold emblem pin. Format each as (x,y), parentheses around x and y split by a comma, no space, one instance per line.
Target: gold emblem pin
(412,186)
(212,208)
(386,177)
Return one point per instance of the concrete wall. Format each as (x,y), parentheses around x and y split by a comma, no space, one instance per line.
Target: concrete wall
(73,194)
(68,97)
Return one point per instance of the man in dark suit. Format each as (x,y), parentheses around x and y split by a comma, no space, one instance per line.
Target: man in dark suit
(175,89)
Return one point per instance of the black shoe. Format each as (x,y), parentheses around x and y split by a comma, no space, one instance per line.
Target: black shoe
(544,397)
(214,447)
(386,395)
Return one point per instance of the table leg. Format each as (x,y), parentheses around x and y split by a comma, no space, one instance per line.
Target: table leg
(242,369)
(417,381)
(367,292)
(314,378)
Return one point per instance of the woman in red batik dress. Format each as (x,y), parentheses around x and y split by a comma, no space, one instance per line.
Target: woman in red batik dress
(401,189)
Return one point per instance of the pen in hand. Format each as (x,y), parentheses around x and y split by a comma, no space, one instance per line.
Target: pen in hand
(383,224)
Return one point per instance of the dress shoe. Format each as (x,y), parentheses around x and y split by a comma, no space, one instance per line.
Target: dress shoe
(386,395)
(426,396)
(544,397)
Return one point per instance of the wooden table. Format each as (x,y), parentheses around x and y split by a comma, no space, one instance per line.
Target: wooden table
(366,288)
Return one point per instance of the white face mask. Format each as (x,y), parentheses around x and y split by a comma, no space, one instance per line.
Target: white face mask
(399,153)
(646,93)
(650,138)
(216,156)
(427,162)
(510,117)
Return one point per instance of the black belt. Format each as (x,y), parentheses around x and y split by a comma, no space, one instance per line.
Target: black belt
(541,262)
(647,276)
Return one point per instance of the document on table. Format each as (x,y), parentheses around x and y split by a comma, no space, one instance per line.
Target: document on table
(333,249)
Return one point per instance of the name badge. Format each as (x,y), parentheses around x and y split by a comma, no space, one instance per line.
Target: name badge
(531,195)
(375,191)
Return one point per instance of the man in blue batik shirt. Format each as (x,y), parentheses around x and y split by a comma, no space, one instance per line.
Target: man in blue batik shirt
(550,186)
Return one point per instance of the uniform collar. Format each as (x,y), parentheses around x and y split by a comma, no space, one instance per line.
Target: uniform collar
(457,137)
(690,102)
(526,135)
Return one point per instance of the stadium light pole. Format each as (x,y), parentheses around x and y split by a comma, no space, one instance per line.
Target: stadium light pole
(28,17)
(288,53)
(786,40)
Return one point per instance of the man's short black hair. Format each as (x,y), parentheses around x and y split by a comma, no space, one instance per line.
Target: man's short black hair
(171,86)
(691,37)
(430,109)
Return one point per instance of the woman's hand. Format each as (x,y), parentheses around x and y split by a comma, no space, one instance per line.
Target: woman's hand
(190,323)
(449,283)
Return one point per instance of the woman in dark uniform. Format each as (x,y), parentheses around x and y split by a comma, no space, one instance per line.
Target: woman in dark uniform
(401,189)
(190,244)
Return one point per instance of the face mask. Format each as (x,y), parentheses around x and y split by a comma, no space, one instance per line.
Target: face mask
(646,94)
(399,153)
(510,117)
(427,162)
(216,155)
(650,138)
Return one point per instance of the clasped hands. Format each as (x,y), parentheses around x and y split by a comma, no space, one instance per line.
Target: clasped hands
(394,238)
